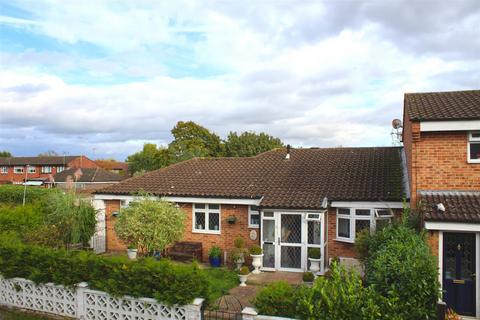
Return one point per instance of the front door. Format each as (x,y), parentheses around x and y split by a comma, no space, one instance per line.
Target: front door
(459,272)
(290,240)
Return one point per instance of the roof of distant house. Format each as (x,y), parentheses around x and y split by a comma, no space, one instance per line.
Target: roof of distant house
(112,165)
(437,106)
(459,206)
(88,175)
(42,160)
(349,174)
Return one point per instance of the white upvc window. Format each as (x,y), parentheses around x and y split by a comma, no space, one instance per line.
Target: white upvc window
(18,169)
(60,169)
(46,169)
(3,170)
(350,221)
(473,147)
(253,217)
(31,169)
(206,218)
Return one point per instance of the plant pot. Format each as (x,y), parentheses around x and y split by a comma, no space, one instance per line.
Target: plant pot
(215,262)
(243,278)
(239,262)
(132,254)
(257,262)
(314,265)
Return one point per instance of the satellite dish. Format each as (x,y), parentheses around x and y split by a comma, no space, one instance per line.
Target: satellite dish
(396,123)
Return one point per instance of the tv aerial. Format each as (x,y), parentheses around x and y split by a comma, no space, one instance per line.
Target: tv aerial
(396,133)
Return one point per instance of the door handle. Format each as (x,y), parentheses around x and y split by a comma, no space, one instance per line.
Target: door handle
(458,281)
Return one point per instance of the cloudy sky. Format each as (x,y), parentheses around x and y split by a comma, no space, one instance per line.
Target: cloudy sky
(103,77)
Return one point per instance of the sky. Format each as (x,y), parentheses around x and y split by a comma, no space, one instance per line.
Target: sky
(101,78)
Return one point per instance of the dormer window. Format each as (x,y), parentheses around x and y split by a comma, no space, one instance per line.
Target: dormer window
(474,147)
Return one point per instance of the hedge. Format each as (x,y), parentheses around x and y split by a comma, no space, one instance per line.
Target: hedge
(14,194)
(163,280)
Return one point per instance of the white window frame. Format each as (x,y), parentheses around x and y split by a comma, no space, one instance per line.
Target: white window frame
(20,169)
(475,140)
(207,210)
(373,218)
(45,170)
(60,169)
(4,170)
(256,212)
(31,169)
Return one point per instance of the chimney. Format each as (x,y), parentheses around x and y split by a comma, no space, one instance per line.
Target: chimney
(287,156)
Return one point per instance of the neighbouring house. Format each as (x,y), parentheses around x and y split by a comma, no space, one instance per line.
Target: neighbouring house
(85,179)
(38,170)
(285,200)
(114,166)
(441,137)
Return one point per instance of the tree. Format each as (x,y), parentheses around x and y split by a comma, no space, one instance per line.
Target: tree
(193,140)
(5,154)
(150,224)
(49,153)
(150,158)
(250,144)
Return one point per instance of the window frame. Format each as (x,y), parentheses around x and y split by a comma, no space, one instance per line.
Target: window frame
(22,168)
(475,140)
(255,212)
(353,217)
(46,171)
(4,170)
(207,210)
(60,169)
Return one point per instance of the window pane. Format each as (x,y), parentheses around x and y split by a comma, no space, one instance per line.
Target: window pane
(255,219)
(384,213)
(362,212)
(291,228)
(361,225)
(268,214)
(474,150)
(344,228)
(199,206)
(213,221)
(214,206)
(200,220)
(314,232)
(254,208)
(344,211)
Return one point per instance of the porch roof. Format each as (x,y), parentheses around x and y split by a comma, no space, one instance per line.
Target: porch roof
(460,206)
(301,182)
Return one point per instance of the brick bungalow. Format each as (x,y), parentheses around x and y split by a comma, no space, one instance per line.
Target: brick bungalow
(441,138)
(38,170)
(284,200)
(89,179)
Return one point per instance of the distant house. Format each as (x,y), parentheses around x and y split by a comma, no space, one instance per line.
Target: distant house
(38,170)
(113,166)
(85,179)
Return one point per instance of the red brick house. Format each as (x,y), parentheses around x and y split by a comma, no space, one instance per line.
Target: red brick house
(441,138)
(284,200)
(37,170)
(87,180)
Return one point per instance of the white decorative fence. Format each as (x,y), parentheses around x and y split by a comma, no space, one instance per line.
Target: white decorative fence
(83,303)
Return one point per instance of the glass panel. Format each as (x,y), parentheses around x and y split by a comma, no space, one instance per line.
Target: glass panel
(344,228)
(474,150)
(344,211)
(291,228)
(213,221)
(269,255)
(362,212)
(255,219)
(361,225)
(313,216)
(268,214)
(254,208)
(268,230)
(314,228)
(214,206)
(291,257)
(383,213)
(200,220)
(467,264)
(199,206)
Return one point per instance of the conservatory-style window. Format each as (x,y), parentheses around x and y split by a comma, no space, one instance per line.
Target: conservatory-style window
(206,218)
(350,221)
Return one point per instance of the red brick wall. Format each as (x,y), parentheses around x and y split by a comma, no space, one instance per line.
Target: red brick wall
(432,240)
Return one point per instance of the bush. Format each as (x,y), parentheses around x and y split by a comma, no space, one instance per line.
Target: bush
(167,282)
(276,299)
(20,219)
(308,276)
(14,194)
(215,252)
(256,250)
(151,225)
(399,265)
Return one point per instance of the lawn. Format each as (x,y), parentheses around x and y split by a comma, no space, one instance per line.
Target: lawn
(221,281)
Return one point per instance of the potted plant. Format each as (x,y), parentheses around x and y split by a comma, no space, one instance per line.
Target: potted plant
(243,273)
(238,253)
(314,258)
(308,278)
(132,251)
(257,256)
(214,254)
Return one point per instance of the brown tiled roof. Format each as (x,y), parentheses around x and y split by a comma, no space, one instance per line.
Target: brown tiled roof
(350,174)
(47,161)
(452,105)
(89,175)
(112,165)
(459,206)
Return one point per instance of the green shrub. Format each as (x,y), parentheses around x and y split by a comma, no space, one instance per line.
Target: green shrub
(163,280)
(20,218)
(14,194)
(400,267)
(243,271)
(308,276)
(256,250)
(276,299)
(215,252)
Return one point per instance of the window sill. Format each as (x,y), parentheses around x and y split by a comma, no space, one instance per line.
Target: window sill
(216,232)
(473,161)
(352,241)
(254,226)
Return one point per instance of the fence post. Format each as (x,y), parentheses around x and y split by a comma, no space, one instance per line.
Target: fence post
(80,292)
(441,310)
(249,313)
(194,310)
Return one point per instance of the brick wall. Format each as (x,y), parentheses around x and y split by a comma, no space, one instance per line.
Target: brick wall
(432,240)
(337,248)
